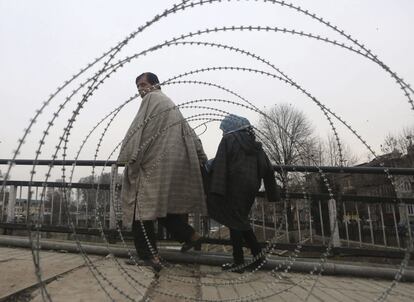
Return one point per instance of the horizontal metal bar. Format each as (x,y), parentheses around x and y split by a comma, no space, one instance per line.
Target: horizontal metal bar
(290,195)
(341,197)
(49,184)
(351,170)
(113,235)
(47,162)
(288,168)
(65,230)
(334,251)
(300,265)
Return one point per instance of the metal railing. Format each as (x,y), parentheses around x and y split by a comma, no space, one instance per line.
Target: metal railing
(362,222)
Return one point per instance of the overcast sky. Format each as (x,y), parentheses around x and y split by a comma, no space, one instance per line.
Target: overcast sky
(44,43)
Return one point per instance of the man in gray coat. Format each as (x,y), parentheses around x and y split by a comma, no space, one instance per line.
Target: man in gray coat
(162,178)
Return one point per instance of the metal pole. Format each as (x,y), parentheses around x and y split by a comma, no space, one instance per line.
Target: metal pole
(383,225)
(68,197)
(77,208)
(43,202)
(29,196)
(60,206)
(333,222)
(51,209)
(310,221)
(96,216)
(359,225)
(277,168)
(346,220)
(105,209)
(397,236)
(39,207)
(302,265)
(298,220)
(112,197)
(3,204)
(86,211)
(410,235)
(11,204)
(118,204)
(370,225)
(286,222)
(321,221)
(20,200)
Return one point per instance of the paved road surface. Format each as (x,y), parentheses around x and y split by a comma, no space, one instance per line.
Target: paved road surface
(69,279)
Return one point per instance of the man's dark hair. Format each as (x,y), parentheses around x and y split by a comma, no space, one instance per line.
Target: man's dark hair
(151,78)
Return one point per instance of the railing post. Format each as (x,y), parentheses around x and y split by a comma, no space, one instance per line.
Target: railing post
(3,203)
(60,205)
(397,236)
(298,221)
(410,235)
(52,208)
(310,220)
(359,225)
(286,221)
(86,210)
(274,219)
(11,204)
(383,225)
(346,221)
(321,221)
(77,208)
(252,216)
(29,197)
(308,207)
(112,197)
(333,223)
(370,225)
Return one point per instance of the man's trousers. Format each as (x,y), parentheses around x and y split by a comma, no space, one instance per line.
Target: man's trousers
(143,231)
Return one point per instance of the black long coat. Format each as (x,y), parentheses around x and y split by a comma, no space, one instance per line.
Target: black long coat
(237,170)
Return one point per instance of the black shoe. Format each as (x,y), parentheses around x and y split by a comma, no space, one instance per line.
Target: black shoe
(256,265)
(133,261)
(155,265)
(192,244)
(230,267)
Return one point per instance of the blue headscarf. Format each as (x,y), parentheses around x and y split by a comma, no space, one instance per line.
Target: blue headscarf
(232,123)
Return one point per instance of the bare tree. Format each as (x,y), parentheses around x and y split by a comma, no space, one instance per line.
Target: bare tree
(400,142)
(287,137)
(390,144)
(330,153)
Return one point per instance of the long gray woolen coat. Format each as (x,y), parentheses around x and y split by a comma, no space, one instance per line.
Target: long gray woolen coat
(162,155)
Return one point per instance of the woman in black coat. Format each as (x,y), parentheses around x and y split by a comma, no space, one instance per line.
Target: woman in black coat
(235,178)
